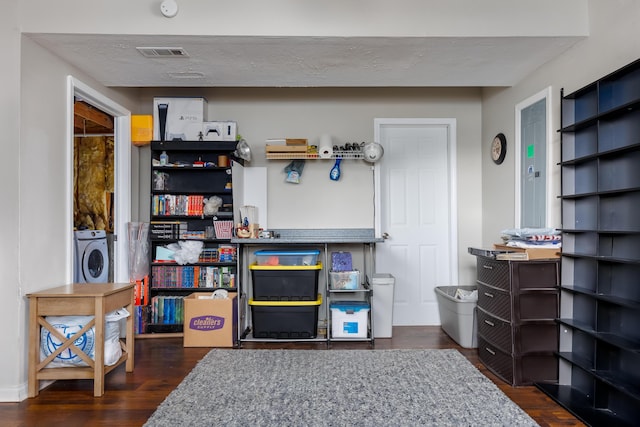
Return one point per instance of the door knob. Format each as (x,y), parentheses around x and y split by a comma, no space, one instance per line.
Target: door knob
(385,235)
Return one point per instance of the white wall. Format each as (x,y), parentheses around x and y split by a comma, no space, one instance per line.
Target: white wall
(614,41)
(11,336)
(348,115)
(413,18)
(35,192)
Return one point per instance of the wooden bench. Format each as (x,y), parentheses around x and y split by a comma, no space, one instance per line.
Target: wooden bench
(78,299)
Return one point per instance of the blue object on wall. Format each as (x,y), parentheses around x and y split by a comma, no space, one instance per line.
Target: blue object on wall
(335,170)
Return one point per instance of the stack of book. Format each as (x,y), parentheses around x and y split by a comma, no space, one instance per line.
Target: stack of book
(167,229)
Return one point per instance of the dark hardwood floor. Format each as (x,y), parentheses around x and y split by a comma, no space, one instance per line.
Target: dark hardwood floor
(162,363)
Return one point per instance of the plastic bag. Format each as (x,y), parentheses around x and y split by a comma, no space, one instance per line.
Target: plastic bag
(465,295)
(294,171)
(186,251)
(211,205)
(138,250)
(69,326)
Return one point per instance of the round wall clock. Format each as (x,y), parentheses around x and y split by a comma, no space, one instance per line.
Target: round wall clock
(499,148)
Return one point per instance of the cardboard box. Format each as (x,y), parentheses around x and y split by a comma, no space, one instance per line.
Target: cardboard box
(141,129)
(184,118)
(210,322)
(532,253)
(219,131)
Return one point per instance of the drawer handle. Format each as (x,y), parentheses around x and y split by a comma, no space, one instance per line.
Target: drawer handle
(487,294)
(488,267)
(490,323)
(491,352)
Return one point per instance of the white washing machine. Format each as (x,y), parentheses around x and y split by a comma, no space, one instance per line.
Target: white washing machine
(92,256)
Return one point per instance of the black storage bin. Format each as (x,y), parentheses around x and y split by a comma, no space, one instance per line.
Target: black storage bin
(285,319)
(285,283)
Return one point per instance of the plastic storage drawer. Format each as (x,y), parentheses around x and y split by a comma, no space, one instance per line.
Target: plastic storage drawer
(285,319)
(347,280)
(285,283)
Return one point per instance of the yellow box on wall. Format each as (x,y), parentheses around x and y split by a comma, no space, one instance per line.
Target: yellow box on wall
(141,129)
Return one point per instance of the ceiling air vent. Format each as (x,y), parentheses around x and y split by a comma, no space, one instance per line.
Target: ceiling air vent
(163,52)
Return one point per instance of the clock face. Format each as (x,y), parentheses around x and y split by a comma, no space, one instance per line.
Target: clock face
(499,148)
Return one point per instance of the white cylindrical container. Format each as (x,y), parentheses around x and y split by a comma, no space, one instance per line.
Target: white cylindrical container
(382,304)
(325,147)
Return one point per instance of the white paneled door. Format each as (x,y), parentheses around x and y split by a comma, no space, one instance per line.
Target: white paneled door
(417,213)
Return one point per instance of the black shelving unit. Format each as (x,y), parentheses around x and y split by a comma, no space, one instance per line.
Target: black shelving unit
(178,189)
(599,356)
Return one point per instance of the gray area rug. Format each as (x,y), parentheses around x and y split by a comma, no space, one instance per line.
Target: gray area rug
(337,388)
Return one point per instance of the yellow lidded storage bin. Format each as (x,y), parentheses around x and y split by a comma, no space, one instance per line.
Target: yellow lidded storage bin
(285,282)
(285,319)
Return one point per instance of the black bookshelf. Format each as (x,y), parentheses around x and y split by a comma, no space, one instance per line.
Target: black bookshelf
(599,356)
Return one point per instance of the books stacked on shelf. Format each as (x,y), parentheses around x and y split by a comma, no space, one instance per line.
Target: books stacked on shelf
(226,253)
(173,230)
(167,229)
(177,205)
(193,234)
(192,276)
(141,313)
(141,308)
(208,255)
(167,309)
(141,291)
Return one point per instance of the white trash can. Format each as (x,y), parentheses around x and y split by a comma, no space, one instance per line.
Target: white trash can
(383,285)
(458,316)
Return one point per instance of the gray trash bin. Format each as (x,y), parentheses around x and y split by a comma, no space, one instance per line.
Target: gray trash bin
(458,316)
(383,285)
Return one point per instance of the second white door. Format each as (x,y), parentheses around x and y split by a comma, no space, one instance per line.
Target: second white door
(417,213)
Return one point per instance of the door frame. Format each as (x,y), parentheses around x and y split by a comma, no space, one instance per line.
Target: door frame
(452,168)
(122,174)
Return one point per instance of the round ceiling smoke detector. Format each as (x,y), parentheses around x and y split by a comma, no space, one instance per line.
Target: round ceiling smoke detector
(169,8)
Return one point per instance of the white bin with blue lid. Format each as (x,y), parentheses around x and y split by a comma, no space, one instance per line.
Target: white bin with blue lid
(349,319)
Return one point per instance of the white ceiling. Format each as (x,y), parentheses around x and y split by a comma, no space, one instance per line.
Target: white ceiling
(295,61)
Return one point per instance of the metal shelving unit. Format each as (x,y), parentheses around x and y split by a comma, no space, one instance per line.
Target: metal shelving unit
(325,245)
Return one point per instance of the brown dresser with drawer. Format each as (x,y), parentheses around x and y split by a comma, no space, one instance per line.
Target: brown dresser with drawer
(518,302)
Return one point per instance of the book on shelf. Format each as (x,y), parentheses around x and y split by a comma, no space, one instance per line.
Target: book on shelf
(141,318)
(168,229)
(177,205)
(141,291)
(167,309)
(192,276)
(226,253)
